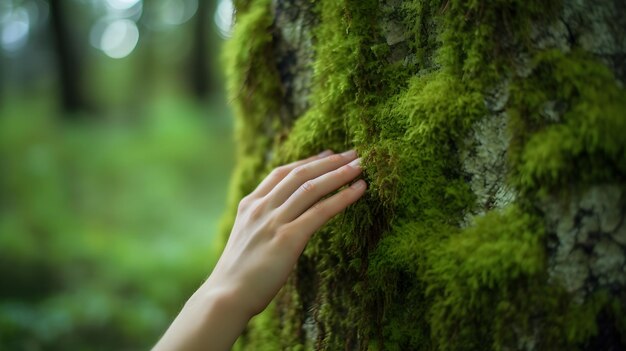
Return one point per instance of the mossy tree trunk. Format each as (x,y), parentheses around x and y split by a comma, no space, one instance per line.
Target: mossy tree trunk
(493,139)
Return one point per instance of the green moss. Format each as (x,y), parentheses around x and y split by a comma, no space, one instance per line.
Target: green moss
(476,278)
(261,332)
(587,134)
(479,37)
(254,88)
(402,268)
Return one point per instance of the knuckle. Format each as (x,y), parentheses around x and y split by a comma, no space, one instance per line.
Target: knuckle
(280,172)
(268,226)
(343,171)
(335,158)
(244,203)
(308,187)
(274,223)
(282,232)
(300,172)
(285,237)
(257,209)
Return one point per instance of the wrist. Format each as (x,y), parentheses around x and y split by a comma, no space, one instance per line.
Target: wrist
(217,301)
(210,320)
(232,295)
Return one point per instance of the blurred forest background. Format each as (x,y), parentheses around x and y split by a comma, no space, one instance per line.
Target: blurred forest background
(115,153)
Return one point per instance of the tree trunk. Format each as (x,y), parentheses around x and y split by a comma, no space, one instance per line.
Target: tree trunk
(492,137)
(68,61)
(201,80)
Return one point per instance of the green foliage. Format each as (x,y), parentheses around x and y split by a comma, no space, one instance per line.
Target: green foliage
(403,268)
(105,228)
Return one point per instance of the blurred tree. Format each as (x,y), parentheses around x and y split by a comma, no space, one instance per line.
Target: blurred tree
(68,59)
(493,142)
(200,76)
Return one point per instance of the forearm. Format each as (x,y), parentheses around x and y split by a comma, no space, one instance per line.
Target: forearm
(210,320)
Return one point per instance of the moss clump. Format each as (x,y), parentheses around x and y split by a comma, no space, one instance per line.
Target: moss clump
(480,280)
(568,116)
(479,38)
(402,269)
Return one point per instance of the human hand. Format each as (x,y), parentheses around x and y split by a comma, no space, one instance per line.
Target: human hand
(272,227)
(275,222)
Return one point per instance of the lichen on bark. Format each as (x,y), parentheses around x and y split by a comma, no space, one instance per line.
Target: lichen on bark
(492,141)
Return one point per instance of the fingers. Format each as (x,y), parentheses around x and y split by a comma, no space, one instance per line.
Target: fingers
(281,172)
(313,190)
(315,217)
(303,173)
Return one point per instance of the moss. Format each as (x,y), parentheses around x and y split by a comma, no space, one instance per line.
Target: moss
(402,269)
(477,276)
(587,134)
(254,88)
(479,38)
(261,332)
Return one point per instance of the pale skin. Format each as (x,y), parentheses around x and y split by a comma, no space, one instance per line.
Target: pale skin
(272,227)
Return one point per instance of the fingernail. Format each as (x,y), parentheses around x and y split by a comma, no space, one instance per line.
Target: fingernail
(349,153)
(359,184)
(356,163)
(325,153)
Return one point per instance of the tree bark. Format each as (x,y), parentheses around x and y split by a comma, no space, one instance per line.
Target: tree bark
(492,144)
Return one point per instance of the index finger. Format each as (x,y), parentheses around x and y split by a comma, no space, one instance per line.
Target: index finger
(279,173)
(301,174)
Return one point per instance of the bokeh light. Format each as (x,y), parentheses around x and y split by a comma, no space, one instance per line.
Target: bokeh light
(122,4)
(15,27)
(224,17)
(119,38)
(176,12)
